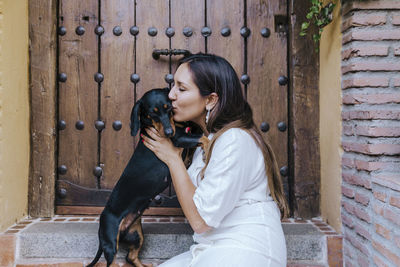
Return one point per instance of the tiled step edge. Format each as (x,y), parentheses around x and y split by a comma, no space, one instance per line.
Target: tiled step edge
(330,242)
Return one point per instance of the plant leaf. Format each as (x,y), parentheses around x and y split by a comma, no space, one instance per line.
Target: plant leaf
(305,25)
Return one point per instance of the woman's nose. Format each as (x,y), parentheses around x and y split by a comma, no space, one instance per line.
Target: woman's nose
(171,94)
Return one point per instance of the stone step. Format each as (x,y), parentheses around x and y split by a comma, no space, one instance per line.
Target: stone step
(306,244)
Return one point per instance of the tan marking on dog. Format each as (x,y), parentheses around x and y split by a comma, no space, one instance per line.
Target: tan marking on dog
(119,232)
(204,143)
(124,224)
(127,221)
(133,254)
(158,126)
(165,106)
(121,226)
(171,120)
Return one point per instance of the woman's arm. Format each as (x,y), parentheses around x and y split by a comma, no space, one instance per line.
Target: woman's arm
(184,188)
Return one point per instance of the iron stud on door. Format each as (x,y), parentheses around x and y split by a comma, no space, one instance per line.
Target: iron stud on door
(226,31)
(134,30)
(62,30)
(80,30)
(187,31)
(99,125)
(62,77)
(117,125)
(265,32)
(98,77)
(117,30)
(99,30)
(264,127)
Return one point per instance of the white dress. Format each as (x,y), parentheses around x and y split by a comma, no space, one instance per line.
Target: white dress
(233,199)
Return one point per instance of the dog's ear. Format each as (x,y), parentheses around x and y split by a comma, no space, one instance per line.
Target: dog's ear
(135,117)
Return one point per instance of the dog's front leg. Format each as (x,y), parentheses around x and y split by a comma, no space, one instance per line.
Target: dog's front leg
(134,237)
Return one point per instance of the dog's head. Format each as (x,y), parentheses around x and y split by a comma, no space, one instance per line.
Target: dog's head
(153,109)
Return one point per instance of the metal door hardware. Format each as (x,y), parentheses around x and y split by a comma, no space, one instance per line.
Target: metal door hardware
(169,52)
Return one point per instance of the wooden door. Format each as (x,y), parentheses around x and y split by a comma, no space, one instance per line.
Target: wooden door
(105,64)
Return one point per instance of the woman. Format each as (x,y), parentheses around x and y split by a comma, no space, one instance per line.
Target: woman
(231,194)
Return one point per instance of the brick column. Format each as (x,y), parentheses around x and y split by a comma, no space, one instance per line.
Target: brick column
(370,133)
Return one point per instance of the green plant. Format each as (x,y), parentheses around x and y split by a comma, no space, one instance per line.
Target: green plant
(317,15)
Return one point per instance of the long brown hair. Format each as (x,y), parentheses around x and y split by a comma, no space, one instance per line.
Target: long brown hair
(212,73)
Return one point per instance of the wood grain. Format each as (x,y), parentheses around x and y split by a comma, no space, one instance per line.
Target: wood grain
(117,91)
(181,18)
(220,14)
(82,196)
(151,72)
(78,96)
(42,68)
(304,116)
(267,60)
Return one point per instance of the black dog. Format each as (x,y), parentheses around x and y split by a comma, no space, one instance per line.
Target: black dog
(144,177)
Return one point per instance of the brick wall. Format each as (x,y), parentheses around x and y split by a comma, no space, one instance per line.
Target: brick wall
(370,134)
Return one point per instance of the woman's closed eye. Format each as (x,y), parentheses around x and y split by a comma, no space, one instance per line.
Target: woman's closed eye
(180,88)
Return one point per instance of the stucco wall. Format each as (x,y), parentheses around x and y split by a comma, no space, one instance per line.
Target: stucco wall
(14,111)
(330,120)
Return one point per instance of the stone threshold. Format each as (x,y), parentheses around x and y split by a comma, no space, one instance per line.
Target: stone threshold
(310,242)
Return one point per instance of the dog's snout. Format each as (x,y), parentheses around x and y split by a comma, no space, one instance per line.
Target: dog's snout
(168,132)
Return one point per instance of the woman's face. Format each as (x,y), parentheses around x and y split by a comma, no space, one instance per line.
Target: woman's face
(187,103)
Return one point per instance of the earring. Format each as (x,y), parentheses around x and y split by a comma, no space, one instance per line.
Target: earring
(207,116)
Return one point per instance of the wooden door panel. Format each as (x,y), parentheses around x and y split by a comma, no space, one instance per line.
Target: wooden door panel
(77,96)
(181,19)
(118,56)
(194,42)
(152,72)
(223,14)
(117,91)
(267,61)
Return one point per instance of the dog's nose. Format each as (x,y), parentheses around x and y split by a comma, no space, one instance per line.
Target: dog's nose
(168,132)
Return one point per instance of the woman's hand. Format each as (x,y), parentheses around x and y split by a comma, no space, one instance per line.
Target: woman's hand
(162,146)
(171,155)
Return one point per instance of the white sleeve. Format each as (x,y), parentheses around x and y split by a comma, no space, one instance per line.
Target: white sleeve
(225,178)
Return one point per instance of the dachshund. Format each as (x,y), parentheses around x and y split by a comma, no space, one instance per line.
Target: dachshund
(144,177)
